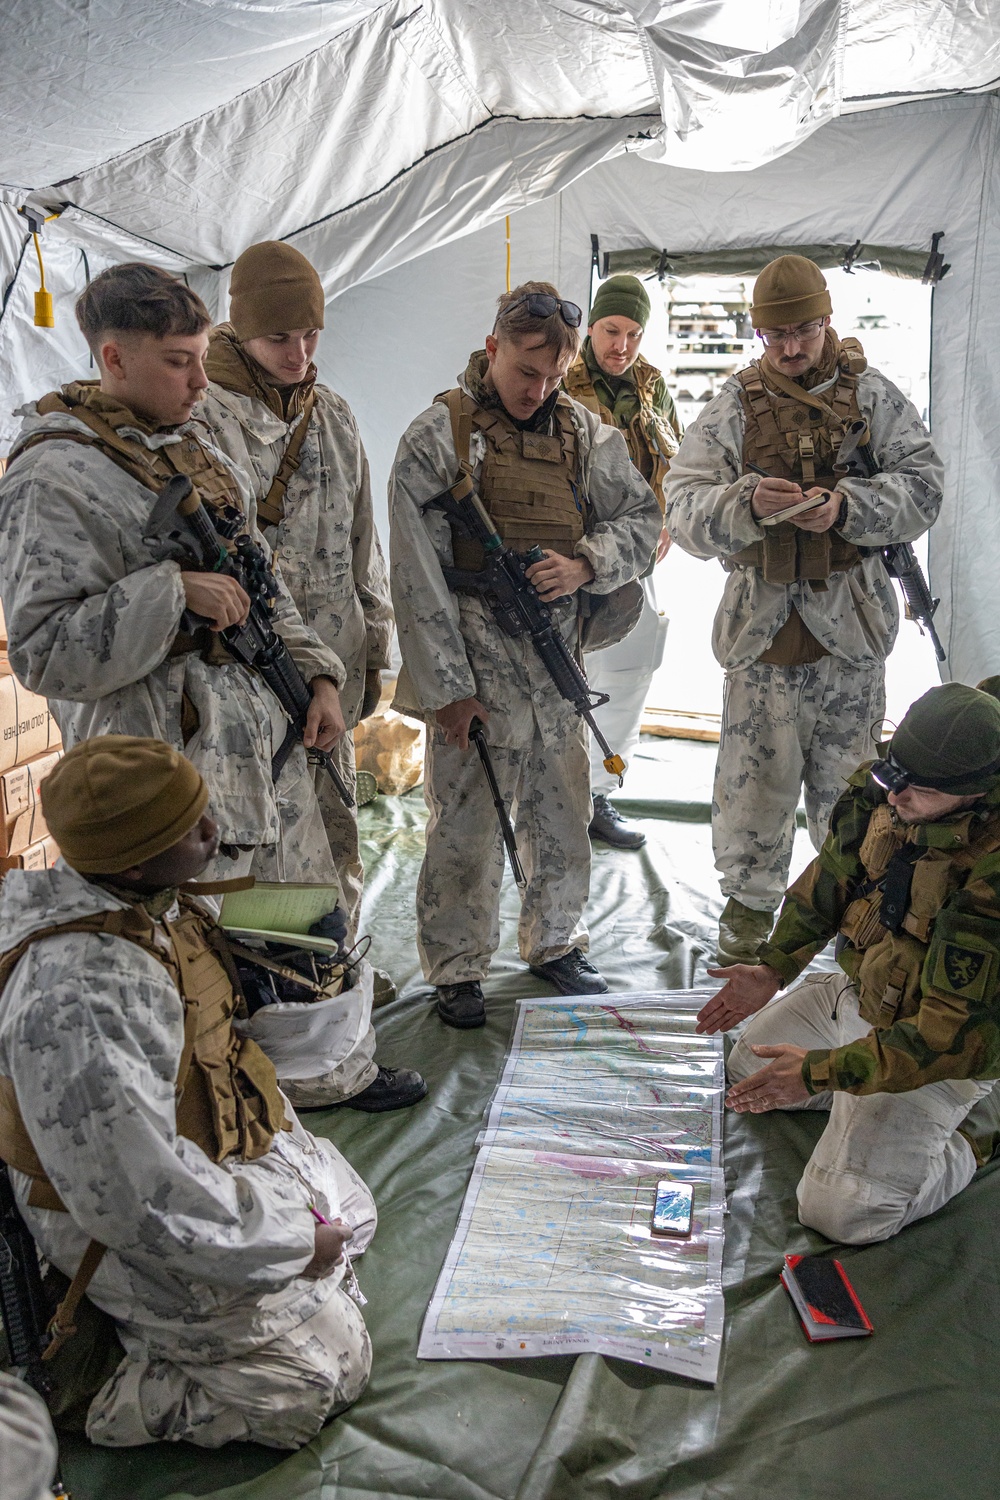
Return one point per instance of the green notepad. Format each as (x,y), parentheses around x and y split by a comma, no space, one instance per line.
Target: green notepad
(280,913)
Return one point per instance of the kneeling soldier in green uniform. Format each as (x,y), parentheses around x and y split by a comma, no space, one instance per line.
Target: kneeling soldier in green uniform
(901,1049)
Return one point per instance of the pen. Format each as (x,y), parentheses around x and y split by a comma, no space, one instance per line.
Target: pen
(350,1282)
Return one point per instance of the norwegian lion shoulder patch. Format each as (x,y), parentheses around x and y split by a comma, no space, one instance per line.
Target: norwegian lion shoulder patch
(962,970)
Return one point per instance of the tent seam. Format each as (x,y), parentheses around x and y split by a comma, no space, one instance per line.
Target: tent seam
(494,119)
(985,189)
(9,288)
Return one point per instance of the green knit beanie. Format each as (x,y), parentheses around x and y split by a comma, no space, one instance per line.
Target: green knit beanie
(950,740)
(621,297)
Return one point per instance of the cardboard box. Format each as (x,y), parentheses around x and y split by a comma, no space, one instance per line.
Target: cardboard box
(40,856)
(29,827)
(19,786)
(27,729)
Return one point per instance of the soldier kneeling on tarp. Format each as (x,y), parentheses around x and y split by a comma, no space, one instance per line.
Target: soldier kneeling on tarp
(153,1155)
(902,1045)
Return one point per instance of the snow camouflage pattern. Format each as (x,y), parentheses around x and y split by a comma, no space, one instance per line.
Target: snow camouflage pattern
(331,563)
(204,1259)
(453,649)
(708,514)
(932,991)
(92,611)
(782,727)
(777,722)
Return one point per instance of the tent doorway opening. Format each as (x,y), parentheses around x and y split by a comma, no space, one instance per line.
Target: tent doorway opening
(699,333)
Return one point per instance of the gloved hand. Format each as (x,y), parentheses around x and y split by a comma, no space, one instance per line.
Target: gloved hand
(333,926)
(373,692)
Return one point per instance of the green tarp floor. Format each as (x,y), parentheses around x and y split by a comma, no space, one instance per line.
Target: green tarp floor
(910,1414)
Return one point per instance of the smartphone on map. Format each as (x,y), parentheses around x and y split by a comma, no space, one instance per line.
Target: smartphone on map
(673,1209)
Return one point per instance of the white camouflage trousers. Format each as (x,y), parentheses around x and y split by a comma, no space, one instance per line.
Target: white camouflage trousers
(547,792)
(784,728)
(279,1394)
(341,825)
(624,671)
(884,1160)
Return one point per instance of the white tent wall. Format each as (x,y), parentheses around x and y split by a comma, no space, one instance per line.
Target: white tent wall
(890,177)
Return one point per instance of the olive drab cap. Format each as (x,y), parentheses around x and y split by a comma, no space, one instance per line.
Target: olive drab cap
(117,800)
(621,297)
(950,739)
(790,290)
(274,289)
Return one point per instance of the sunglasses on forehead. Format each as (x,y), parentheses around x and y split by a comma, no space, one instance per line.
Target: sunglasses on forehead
(543,305)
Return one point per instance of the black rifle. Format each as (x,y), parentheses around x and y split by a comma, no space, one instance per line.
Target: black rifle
(23,1302)
(477,735)
(856,457)
(256,643)
(516,606)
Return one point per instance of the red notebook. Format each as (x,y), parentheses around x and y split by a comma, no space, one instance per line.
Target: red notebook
(824,1299)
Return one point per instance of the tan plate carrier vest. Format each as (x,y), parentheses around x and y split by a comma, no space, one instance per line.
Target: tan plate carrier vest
(792,434)
(152,467)
(210,479)
(649,437)
(529,482)
(228,1099)
(887,966)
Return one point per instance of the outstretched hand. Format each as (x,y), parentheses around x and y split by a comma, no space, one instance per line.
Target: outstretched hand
(778,1086)
(747,989)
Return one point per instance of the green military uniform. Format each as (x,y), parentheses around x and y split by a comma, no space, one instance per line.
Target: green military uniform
(905,1041)
(638,404)
(931,992)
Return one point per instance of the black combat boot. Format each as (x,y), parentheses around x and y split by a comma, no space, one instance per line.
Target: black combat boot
(573,974)
(608,825)
(462,1005)
(391,1088)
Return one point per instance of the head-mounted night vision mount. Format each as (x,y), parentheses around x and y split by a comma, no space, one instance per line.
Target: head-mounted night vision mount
(893,777)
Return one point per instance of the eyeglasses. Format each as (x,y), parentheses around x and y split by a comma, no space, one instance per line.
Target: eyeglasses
(543,305)
(802,334)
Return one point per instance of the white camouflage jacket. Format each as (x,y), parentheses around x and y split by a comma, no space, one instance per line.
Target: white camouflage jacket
(200,1255)
(328,547)
(92,612)
(708,514)
(451,646)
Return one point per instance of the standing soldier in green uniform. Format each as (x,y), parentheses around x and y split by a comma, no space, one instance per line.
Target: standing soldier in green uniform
(613,380)
(809,614)
(902,1045)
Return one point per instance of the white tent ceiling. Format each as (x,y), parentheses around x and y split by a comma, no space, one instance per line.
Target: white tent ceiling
(371,135)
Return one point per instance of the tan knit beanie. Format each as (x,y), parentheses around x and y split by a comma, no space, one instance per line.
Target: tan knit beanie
(273,290)
(117,800)
(791,289)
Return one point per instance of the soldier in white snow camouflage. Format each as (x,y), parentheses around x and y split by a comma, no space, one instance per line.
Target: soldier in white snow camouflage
(549,473)
(809,613)
(173,1148)
(299,453)
(94,606)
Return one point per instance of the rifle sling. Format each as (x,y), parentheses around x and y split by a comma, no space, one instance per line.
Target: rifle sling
(272,508)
